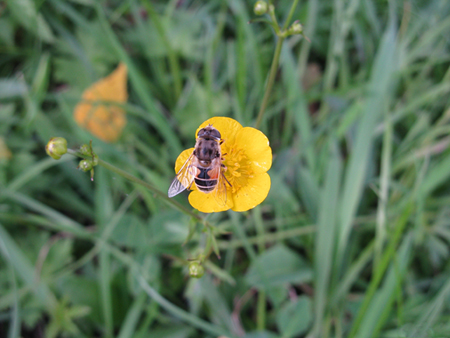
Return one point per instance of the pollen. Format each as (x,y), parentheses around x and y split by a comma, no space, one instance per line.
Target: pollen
(237,165)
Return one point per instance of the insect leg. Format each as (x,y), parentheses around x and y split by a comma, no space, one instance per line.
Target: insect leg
(223,175)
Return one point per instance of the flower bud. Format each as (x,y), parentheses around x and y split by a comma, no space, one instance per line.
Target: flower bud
(260,7)
(56,147)
(296,28)
(196,270)
(85,165)
(87,151)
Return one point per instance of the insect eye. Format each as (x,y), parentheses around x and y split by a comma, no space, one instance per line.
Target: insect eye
(209,133)
(202,133)
(216,134)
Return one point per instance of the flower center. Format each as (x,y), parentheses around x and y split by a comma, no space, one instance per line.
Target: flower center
(238,167)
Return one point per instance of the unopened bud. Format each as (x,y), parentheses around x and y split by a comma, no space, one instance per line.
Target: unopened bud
(56,147)
(260,7)
(86,150)
(196,270)
(85,165)
(296,28)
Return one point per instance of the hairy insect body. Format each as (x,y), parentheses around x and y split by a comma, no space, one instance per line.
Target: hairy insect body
(204,167)
(208,156)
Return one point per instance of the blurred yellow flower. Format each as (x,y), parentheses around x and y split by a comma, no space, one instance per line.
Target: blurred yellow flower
(247,158)
(104,119)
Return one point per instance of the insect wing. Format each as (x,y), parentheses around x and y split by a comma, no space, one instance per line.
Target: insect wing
(184,178)
(220,192)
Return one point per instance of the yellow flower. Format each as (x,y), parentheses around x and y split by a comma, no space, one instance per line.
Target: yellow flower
(247,158)
(104,120)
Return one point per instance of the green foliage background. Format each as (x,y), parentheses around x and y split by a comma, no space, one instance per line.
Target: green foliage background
(353,239)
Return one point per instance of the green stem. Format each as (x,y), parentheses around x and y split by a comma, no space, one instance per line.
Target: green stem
(136,180)
(281,33)
(291,13)
(273,73)
(268,237)
(261,311)
(261,314)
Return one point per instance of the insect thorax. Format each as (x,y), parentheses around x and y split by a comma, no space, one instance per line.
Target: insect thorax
(206,150)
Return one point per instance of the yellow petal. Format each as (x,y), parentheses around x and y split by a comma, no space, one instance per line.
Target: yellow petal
(252,194)
(104,120)
(111,88)
(207,203)
(182,158)
(226,126)
(256,147)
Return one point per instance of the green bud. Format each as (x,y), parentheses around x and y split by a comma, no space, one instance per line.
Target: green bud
(196,270)
(260,7)
(296,28)
(85,165)
(87,151)
(56,147)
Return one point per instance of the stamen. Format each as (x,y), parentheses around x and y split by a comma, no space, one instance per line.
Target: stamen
(239,168)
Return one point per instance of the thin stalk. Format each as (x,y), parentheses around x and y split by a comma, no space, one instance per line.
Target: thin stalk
(291,13)
(273,72)
(261,310)
(386,154)
(276,58)
(172,55)
(136,180)
(261,314)
(268,237)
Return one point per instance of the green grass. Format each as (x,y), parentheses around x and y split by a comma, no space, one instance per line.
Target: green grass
(353,238)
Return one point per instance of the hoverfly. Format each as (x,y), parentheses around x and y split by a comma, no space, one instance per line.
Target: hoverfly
(204,167)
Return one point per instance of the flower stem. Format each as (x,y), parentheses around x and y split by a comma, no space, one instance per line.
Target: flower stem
(271,80)
(136,180)
(281,34)
(261,314)
(261,310)
(291,13)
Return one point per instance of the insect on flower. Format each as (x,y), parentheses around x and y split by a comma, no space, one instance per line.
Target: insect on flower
(227,169)
(204,167)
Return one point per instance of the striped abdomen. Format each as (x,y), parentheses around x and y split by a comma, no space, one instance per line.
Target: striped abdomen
(203,181)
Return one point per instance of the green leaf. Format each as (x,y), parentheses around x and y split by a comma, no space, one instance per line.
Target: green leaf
(292,270)
(356,171)
(24,11)
(325,237)
(381,304)
(131,232)
(295,317)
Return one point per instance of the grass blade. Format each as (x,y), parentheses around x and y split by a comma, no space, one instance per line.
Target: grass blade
(325,238)
(379,85)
